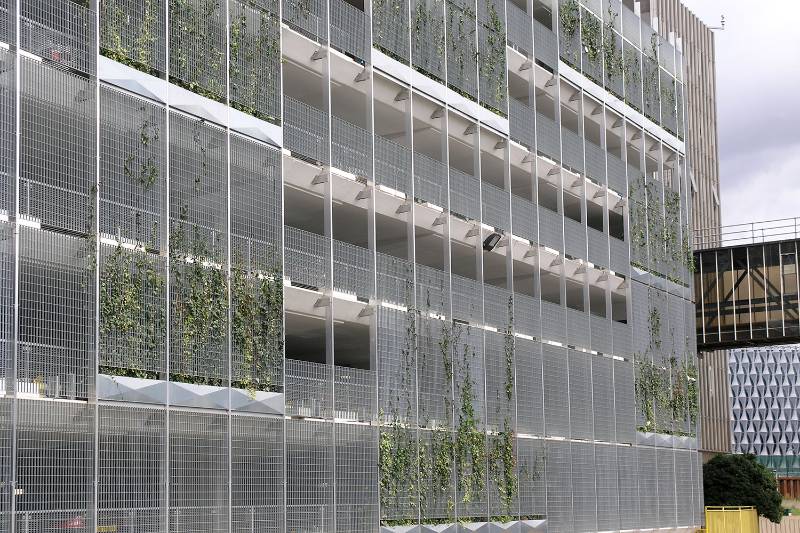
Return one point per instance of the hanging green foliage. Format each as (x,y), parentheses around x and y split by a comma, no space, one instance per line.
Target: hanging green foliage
(115,21)
(493,62)
(650,390)
(591,38)
(503,464)
(428,33)
(195,26)
(569,16)
(612,53)
(398,466)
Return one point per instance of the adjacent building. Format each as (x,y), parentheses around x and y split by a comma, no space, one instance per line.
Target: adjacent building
(331,265)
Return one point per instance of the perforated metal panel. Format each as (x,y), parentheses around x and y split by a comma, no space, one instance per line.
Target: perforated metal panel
(556,395)
(55,464)
(131,461)
(257,475)
(528,359)
(356,478)
(559,487)
(580,395)
(603,398)
(310,475)
(57,146)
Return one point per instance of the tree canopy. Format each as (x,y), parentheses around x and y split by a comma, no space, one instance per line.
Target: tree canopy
(740,480)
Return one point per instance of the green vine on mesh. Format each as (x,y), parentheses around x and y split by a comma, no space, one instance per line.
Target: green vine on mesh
(654,328)
(590,37)
(132,313)
(144,157)
(254,61)
(428,29)
(192,29)
(612,56)
(569,16)
(493,63)
(113,19)
(463,35)
(503,464)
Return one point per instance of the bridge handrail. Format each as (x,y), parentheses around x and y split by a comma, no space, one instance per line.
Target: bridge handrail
(747,233)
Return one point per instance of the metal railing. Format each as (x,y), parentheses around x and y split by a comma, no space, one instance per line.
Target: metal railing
(782,229)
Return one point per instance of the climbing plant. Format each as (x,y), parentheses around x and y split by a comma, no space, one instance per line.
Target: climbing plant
(127,37)
(650,391)
(503,463)
(492,65)
(654,328)
(389,19)
(612,54)
(429,40)
(569,16)
(197,54)
(141,166)
(591,37)
(692,392)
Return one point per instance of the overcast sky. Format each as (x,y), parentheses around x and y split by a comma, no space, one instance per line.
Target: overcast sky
(758,103)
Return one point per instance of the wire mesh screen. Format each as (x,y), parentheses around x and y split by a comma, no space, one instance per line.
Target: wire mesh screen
(669,110)
(600,334)
(197,58)
(397,354)
(464,194)
(436,464)
(492,66)
(598,247)
(430,180)
(6,464)
(592,58)
(133,312)
(499,307)
(528,359)
(556,395)
(352,147)
(392,165)
(131,459)
(496,207)
(606,487)
(132,32)
(305,130)
(310,475)
(603,398)
(545,45)
(433,290)
(57,139)
(308,389)
(255,55)
(577,328)
(616,173)
(684,480)
(427,40)
(666,488)
(648,487)
(395,279)
(628,479)
(55,355)
(257,461)
(503,475)
(633,73)
(132,167)
(467,301)
(524,218)
(584,499)
(7,128)
(390,28)
(500,394)
(559,487)
(354,394)
(308,17)
(7,309)
(198,472)
(55,464)
(462,49)
(348,28)
(580,395)
(435,372)
(532,496)
(468,365)
(60,31)
(520,34)
(569,36)
(353,269)
(307,258)
(548,138)
(526,314)
(650,84)
(398,470)
(356,478)
(551,228)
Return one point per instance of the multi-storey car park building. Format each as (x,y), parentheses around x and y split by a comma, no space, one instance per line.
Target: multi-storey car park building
(329,266)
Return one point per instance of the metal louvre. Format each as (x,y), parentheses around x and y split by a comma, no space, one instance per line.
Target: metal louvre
(61,31)
(131,459)
(624,401)
(197,46)
(132,167)
(308,17)
(392,165)
(627,459)
(603,398)
(528,359)
(57,146)
(495,203)
(499,407)
(310,475)
(551,225)
(580,395)
(556,395)
(351,147)
(464,194)
(584,492)
(55,464)
(606,487)
(648,487)
(132,32)
(356,478)
(348,28)
(430,180)
(305,130)
(56,352)
(434,373)
(257,476)
(559,487)
(308,389)
(255,55)
(666,487)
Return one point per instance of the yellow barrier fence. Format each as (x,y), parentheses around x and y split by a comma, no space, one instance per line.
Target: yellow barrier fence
(731,520)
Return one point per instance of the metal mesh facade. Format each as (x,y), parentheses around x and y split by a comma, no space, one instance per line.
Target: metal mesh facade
(244,290)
